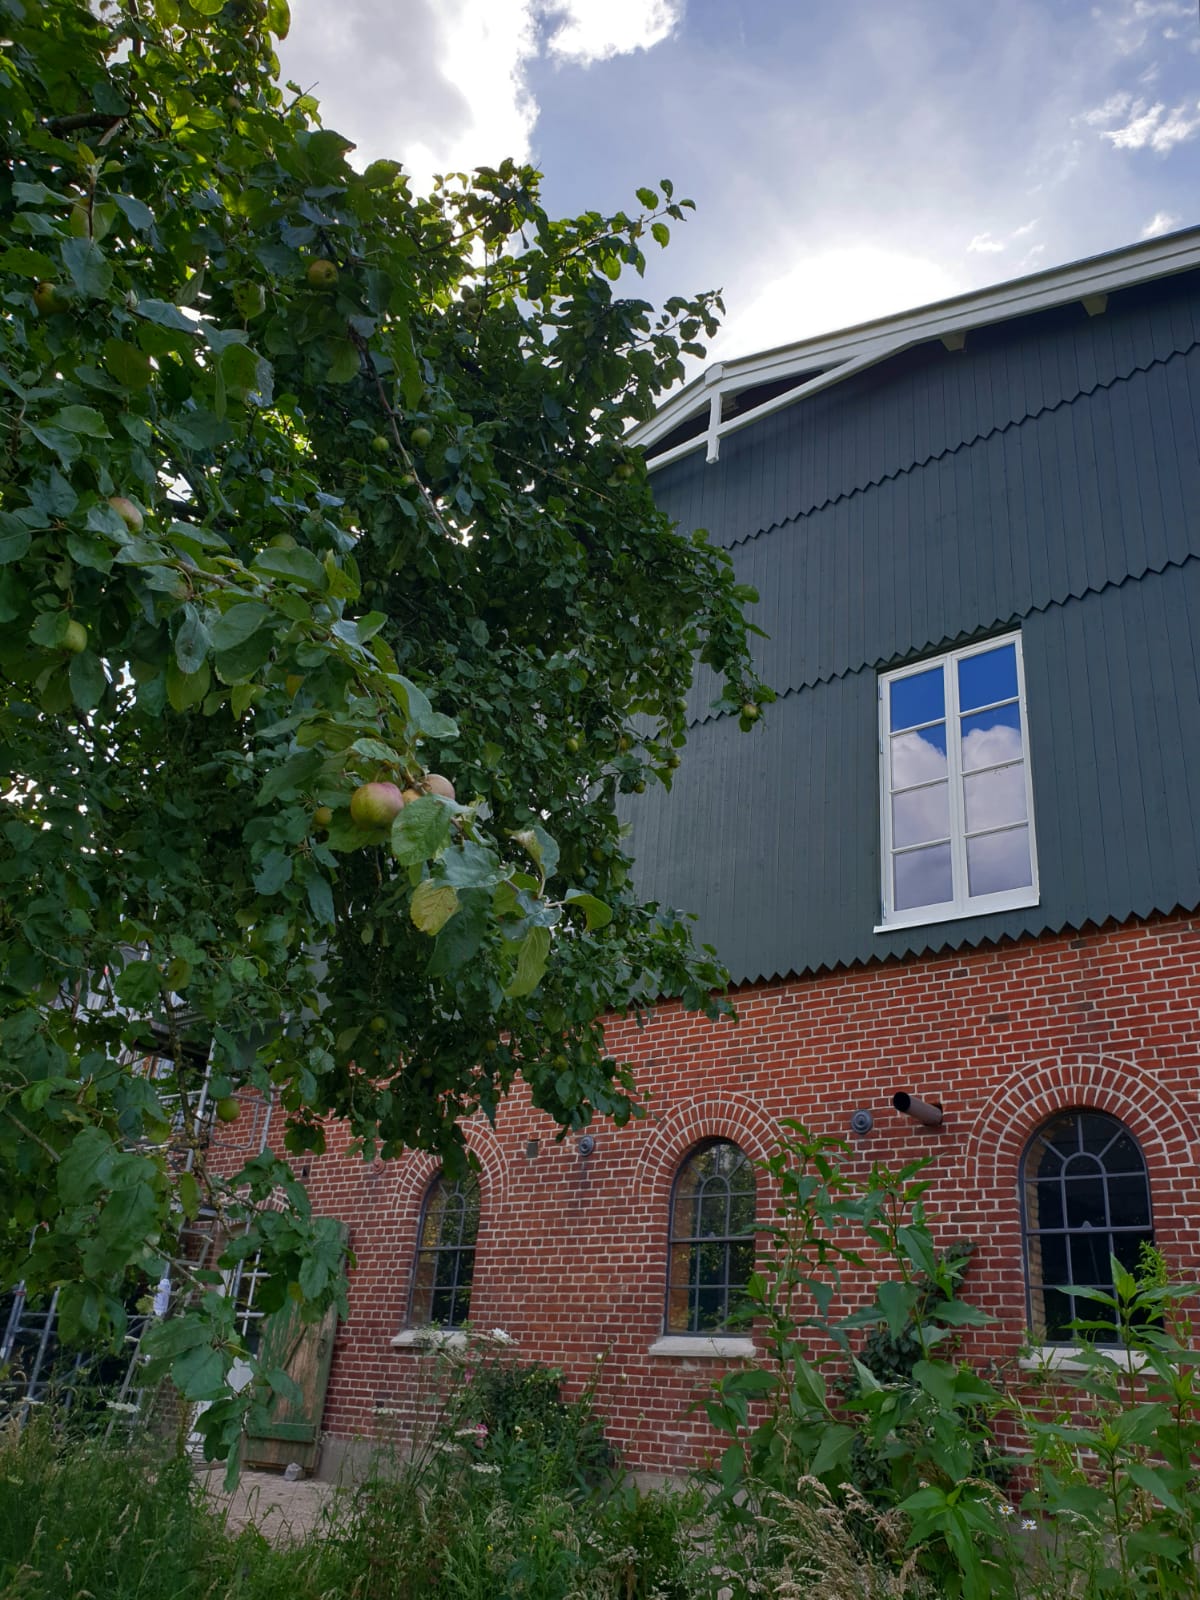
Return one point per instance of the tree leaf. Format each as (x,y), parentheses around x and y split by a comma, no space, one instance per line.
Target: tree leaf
(87,267)
(88,681)
(241,622)
(533,954)
(297,566)
(420,831)
(596,913)
(192,642)
(433,904)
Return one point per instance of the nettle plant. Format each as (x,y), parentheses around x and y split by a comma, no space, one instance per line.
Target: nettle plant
(893,1416)
(335,615)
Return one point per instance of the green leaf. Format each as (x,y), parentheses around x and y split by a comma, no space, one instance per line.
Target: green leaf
(538,844)
(192,642)
(167,315)
(648,198)
(15,539)
(661,233)
(81,419)
(433,904)
(86,1167)
(533,954)
(596,913)
(127,364)
(937,1379)
(138,985)
(87,267)
(88,681)
(199,1374)
(27,263)
(137,213)
(343,364)
(241,622)
(460,940)
(274,872)
(422,715)
(421,830)
(837,1440)
(297,566)
(185,689)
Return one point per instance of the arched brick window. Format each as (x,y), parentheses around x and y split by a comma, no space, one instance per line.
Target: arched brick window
(711,1250)
(1085,1199)
(445,1261)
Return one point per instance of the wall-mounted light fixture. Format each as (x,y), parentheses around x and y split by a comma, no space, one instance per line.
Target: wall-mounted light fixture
(928,1112)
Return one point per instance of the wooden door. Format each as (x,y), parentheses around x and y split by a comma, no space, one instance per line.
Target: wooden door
(304,1350)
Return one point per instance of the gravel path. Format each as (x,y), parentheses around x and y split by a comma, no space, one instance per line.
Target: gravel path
(267,1501)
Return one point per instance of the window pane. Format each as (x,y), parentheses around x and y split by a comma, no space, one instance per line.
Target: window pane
(678,1309)
(918,757)
(1056,1315)
(1085,1202)
(921,697)
(999,861)
(714,1213)
(988,677)
(1046,1210)
(923,877)
(1123,1155)
(1089,1257)
(1054,1258)
(921,814)
(995,798)
(741,1213)
(990,737)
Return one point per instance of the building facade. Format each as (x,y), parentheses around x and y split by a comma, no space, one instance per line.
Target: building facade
(958,860)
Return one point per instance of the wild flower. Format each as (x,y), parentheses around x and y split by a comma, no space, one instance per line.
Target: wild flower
(1006,1510)
(1028,1525)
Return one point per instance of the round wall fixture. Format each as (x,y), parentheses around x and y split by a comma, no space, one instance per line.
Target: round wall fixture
(861,1122)
(586,1144)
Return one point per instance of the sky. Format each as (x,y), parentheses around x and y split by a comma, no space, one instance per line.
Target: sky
(847,158)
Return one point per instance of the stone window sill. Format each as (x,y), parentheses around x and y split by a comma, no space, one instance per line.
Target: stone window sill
(430,1339)
(1065,1358)
(691,1346)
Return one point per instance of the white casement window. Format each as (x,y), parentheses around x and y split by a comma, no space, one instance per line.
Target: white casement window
(956,799)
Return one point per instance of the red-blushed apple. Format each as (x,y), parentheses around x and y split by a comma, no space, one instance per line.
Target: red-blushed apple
(436,784)
(129,514)
(374,805)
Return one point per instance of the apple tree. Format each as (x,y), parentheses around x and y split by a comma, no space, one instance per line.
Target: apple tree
(335,614)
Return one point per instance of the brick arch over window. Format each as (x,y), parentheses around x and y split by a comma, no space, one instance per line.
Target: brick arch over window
(1124,1089)
(416,1173)
(689,1123)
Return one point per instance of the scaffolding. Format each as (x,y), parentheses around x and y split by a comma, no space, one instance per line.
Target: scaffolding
(35,1367)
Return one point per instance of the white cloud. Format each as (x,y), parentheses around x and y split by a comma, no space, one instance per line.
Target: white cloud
(448,89)
(1155,128)
(596,30)
(984,245)
(1115,106)
(1161,222)
(831,289)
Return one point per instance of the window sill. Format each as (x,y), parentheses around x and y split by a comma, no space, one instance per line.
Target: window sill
(926,916)
(689,1346)
(430,1339)
(1065,1358)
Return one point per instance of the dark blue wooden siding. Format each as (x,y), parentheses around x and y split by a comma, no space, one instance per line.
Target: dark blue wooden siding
(1048,477)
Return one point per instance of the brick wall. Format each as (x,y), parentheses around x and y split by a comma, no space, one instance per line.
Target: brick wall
(571,1256)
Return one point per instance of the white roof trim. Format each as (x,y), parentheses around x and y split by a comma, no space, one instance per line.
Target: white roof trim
(840,355)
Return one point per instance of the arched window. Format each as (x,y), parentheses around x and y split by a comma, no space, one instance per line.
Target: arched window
(1086,1198)
(445,1264)
(711,1252)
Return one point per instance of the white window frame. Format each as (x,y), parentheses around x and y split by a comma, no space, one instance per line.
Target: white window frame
(963,904)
